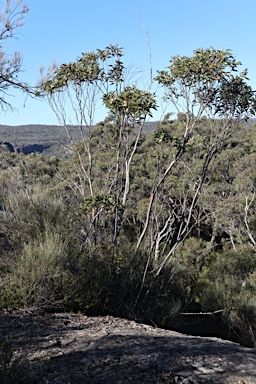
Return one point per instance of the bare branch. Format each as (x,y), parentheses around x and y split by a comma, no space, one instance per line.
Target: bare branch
(248,203)
(150,51)
(11,19)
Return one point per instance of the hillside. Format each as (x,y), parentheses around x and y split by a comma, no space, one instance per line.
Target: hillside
(51,140)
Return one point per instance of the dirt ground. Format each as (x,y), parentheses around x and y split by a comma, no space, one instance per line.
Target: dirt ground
(74,349)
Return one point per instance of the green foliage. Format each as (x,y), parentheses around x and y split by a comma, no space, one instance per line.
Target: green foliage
(97,203)
(206,65)
(131,102)
(105,69)
(226,281)
(88,68)
(211,76)
(36,276)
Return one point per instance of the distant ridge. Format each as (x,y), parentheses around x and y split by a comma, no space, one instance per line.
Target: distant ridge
(51,140)
(47,139)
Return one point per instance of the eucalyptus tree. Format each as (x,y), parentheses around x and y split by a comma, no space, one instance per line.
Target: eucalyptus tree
(94,77)
(207,86)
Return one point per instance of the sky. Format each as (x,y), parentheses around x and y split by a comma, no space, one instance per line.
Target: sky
(60,30)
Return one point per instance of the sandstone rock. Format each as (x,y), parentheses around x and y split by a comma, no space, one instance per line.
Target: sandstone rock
(72,349)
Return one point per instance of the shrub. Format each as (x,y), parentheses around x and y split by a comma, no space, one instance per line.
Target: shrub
(36,275)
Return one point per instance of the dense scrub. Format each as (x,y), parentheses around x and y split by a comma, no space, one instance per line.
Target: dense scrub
(60,248)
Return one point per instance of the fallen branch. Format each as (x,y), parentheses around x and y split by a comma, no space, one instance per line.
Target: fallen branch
(208,313)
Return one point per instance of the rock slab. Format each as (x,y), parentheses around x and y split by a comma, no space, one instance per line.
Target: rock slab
(74,349)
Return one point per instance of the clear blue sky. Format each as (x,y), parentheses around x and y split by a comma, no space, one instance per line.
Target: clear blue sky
(60,30)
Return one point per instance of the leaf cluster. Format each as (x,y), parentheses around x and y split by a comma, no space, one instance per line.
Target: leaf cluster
(98,202)
(212,78)
(89,68)
(132,103)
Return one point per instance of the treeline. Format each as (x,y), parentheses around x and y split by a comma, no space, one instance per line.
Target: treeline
(153,254)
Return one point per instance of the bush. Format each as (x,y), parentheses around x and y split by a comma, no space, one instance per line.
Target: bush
(36,276)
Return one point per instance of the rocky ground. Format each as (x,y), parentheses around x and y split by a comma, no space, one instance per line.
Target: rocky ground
(75,349)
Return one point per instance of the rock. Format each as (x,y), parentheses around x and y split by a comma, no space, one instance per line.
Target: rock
(69,348)
(32,148)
